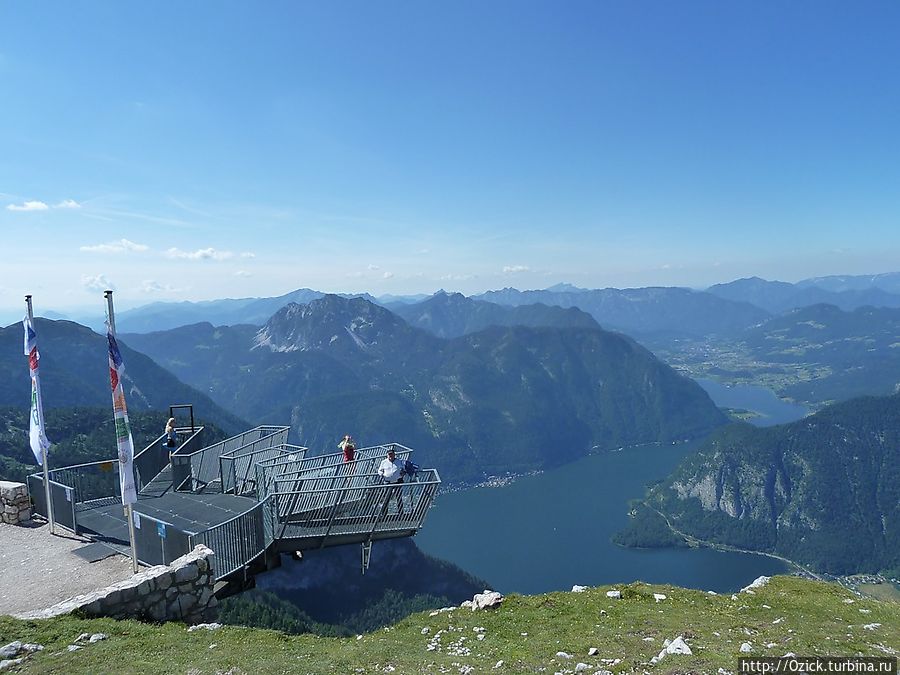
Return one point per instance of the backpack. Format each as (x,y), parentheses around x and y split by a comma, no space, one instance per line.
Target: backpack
(410,469)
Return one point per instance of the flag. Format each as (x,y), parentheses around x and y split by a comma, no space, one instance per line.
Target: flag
(36,433)
(124,443)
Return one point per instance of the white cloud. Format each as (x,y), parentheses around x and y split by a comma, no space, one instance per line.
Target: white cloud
(458,277)
(248,254)
(515,269)
(423,251)
(28,206)
(666,266)
(199,254)
(121,246)
(387,275)
(153,286)
(243,273)
(68,204)
(373,268)
(97,283)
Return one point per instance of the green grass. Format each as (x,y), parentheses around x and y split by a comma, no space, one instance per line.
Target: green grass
(525,633)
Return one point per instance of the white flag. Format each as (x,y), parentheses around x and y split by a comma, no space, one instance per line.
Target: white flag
(124,443)
(36,433)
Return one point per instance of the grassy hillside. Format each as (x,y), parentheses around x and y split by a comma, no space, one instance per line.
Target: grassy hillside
(525,633)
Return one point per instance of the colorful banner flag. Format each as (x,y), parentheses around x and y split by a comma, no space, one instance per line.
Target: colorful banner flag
(36,433)
(124,443)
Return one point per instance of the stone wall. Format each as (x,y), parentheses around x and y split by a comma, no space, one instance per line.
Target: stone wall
(182,591)
(15,505)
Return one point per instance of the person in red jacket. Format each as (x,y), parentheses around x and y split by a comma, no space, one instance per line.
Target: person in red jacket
(348,447)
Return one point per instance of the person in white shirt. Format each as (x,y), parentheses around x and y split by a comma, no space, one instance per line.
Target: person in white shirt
(391,471)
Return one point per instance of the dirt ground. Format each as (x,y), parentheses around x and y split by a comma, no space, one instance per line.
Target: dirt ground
(38,569)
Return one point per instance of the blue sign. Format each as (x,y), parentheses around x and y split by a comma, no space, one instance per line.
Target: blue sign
(161,529)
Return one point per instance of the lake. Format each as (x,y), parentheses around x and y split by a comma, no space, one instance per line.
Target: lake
(772,410)
(550,531)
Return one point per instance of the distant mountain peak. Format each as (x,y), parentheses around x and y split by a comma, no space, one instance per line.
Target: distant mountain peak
(328,323)
(564,287)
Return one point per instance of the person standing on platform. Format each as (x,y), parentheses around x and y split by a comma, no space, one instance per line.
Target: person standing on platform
(171,434)
(391,471)
(348,447)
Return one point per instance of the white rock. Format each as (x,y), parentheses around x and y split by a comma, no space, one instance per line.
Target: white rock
(746,648)
(849,601)
(499,664)
(486,600)
(204,626)
(659,597)
(10,650)
(614,594)
(9,663)
(759,582)
(581,667)
(579,589)
(770,645)
(778,620)
(789,655)
(872,626)
(96,637)
(648,639)
(426,630)
(593,651)
(865,611)
(678,646)
(563,655)
(478,629)
(734,596)
(73,648)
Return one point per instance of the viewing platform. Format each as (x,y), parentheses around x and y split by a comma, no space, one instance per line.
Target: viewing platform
(247,498)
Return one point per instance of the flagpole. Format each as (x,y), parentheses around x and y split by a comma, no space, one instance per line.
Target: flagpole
(30,314)
(129,513)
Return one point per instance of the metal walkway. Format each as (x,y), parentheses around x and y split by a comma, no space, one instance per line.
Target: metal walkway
(244,497)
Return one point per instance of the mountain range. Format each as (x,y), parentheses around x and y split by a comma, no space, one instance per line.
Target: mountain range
(501,399)
(824,491)
(635,311)
(777,296)
(855,353)
(74,370)
(450,315)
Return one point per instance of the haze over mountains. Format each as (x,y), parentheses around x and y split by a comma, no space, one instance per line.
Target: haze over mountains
(501,399)
(722,309)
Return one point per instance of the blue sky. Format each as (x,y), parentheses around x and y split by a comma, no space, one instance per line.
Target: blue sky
(207,150)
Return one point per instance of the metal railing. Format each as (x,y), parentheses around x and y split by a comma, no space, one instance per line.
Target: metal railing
(303,469)
(365,507)
(239,541)
(203,467)
(158,542)
(62,497)
(237,466)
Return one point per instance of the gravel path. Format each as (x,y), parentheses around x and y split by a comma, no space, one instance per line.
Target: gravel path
(38,569)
